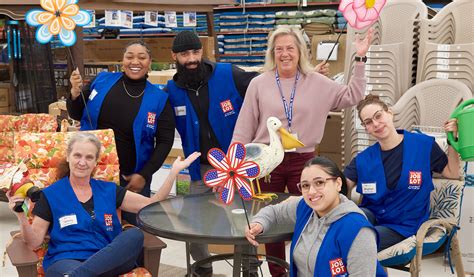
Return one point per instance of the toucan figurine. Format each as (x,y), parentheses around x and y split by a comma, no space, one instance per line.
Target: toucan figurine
(15,179)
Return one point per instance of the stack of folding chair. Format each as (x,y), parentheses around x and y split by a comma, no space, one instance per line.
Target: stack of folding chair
(429,103)
(390,67)
(447,48)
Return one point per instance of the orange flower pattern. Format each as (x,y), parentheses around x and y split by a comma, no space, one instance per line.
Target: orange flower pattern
(47,150)
(9,124)
(137,272)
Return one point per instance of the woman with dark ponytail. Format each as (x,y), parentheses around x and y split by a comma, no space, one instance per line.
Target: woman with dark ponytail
(332,236)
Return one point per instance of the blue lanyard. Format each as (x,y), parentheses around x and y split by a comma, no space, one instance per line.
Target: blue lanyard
(288,108)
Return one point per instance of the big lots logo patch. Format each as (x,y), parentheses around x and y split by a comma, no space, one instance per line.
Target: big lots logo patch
(108,222)
(151,120)
(414,180)
(337,267)
(227,108)
(108,219)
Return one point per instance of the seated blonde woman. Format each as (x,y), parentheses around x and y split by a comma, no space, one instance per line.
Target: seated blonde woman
(80,215)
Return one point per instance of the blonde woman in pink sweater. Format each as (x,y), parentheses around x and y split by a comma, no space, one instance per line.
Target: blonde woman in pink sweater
(301,98)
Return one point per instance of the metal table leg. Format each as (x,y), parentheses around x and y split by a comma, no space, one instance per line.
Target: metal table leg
(237,260)
(188,260)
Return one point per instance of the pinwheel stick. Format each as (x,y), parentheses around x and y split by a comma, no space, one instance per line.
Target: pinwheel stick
(245,210)
(82,94)
(71,57)
(248,225)
(337,41)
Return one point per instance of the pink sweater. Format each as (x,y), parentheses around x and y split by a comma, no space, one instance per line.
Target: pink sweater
(315,96)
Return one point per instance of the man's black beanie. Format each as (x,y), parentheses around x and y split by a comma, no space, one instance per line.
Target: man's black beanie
(186,40)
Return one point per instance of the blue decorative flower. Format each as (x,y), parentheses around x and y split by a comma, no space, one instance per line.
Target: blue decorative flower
(59,17)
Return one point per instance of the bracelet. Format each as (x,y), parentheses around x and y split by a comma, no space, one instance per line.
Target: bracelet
(447,140)
(360,59)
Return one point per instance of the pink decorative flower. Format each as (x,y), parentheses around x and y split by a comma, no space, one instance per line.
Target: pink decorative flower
(361,13)
(231,170)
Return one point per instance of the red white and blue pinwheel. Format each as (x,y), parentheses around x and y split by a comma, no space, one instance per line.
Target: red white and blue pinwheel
(231,171)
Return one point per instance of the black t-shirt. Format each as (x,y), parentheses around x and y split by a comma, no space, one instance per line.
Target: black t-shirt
(118,112)
(43,210)
(392,161)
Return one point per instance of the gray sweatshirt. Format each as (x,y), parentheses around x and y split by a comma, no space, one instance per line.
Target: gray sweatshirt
(362,257)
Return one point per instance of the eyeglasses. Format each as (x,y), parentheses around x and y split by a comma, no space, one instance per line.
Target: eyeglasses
(317,184)
(376,117)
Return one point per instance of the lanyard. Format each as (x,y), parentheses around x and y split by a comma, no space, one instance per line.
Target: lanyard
(288,108)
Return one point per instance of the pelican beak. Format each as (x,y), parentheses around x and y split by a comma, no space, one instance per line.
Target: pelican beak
(288,140)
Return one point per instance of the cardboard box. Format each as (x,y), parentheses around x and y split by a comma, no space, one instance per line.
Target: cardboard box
(331,141)
(5,110)
(161,77)
(336,66)
(335,157)
(111,50)
(57,108)
(4,95)
(159,178)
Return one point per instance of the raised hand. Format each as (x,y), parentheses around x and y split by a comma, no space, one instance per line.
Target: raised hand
(76,83)
(362,45)
(179,165)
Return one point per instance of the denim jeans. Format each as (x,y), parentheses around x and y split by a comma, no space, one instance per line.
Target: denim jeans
(387,236)
(117,258)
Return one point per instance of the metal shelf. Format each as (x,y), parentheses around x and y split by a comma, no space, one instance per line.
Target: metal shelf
(282,5)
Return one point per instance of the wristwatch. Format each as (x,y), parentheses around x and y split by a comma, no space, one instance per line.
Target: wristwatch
(360,59)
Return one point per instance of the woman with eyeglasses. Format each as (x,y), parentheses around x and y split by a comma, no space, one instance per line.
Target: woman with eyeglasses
(394,174)
(332,236)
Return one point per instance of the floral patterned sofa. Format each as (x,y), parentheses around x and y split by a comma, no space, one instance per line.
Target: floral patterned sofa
(11,125)
(43,152)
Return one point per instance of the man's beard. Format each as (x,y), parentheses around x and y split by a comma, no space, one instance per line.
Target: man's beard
(191,78)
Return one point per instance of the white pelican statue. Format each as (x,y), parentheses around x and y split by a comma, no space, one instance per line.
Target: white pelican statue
(268,157)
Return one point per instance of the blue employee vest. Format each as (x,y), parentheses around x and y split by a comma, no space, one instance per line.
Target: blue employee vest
(145,123)
(75,234)
(407,206)
(224,107)
(332,255)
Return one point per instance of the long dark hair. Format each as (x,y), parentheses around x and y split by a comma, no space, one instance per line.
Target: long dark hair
(330,167)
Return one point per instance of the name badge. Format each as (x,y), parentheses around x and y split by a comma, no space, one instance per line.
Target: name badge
(67,220)
(369,188)
(180,110)
(292,149)
(93,94)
